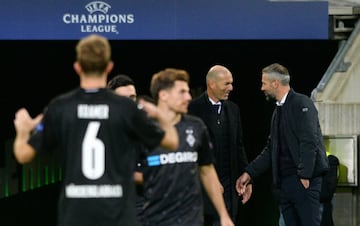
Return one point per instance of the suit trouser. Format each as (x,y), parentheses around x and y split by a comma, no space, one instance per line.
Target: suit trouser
(324,222)
(300,206)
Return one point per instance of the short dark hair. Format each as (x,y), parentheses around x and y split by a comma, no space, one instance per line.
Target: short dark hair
(120,80)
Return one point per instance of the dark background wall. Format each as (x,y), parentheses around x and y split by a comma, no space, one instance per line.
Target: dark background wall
(33,72)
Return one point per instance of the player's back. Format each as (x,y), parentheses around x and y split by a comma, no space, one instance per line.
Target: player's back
(95,132)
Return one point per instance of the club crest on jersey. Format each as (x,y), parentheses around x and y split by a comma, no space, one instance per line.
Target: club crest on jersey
(190,139)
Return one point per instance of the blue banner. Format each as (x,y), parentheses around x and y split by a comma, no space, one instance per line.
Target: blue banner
(163,19)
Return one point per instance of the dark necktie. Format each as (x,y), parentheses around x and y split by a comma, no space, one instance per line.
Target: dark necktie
(216,107)
(217,111)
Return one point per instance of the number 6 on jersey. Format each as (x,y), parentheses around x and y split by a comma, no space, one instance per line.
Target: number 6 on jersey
(93,153)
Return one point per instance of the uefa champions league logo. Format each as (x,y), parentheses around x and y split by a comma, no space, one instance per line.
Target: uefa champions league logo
(98,19)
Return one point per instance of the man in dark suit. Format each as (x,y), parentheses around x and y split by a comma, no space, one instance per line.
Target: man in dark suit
(295,151)
(222,117)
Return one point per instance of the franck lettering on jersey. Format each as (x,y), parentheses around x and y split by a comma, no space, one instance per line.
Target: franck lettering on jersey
(172,158)
(93,191)
(86,111)
(98,19)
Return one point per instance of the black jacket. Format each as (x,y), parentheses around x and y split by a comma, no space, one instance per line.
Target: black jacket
(201,106)
(302,134)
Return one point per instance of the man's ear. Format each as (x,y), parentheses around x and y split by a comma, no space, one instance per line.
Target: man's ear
(276,83)
(162,94)
(211,83)
(77,68)
(109,67)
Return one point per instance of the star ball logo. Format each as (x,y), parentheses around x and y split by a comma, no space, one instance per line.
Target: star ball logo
(98,19)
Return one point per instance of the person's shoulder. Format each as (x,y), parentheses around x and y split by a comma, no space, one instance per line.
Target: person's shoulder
(231,104)
(79,95)
(296,95)
(232,107)
(193,119)
(196,105)
(197,100)
(299,99)
(64,97)
(109,96)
